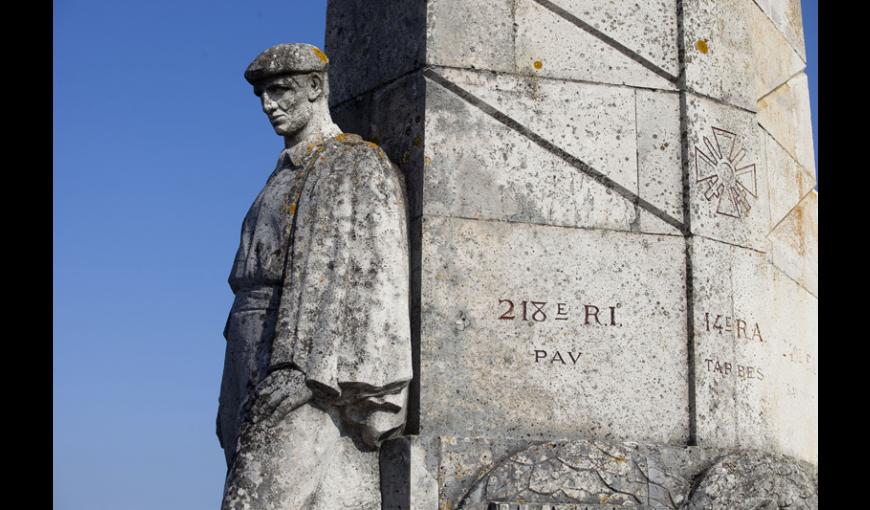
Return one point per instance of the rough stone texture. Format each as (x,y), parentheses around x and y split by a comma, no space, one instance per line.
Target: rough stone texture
(397,126)
(575,475)
(785,114)
(734,52)
(468,351)
(786,15)
(557,154)
(647,28)
(364,54)
(659,165)
(727,179)
(598,128)
(795,243)
(476,167)
(755,353)
(551,45)
(467,34)
(406,483)
(755,481)
(788,181)
(318,358)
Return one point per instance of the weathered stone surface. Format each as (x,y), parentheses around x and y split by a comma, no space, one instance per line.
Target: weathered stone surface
(476,167)
(598,128)
(785,114)
(795,244)
(318,358)
(579,475)
(406,483)
(774,60)
(786,15)
(648,28)
(755,353)
(551,45)
(734,53)
(396,125)
(788,182)
(727,179)
(549,180)
(364,54)
(470,34)
(484,323)
(755,481)
(660,172)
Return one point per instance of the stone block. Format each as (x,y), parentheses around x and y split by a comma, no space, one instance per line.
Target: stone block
(406,480)
(727,180)
(525,328)
(755,341)
(785,114)
(364,54)
(477,167)
(481,474)
(788,181)
(559,45)
(470,34)
(659,173)
(734,53)
(786,15)
(647,28)
(795,244)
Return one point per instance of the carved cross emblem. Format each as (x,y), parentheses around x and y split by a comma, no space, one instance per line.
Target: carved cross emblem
(723,175)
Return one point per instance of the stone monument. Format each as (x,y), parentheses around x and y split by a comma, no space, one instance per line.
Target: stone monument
(613,248)
(318,353)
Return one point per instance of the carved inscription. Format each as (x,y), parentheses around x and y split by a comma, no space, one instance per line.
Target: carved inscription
(543,356)
(728,369)
(802,359)
(531,310)
(725,324)
(542,311)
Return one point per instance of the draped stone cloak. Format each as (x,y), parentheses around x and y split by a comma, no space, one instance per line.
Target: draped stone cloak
(328,296)
(343,317)
(337,317)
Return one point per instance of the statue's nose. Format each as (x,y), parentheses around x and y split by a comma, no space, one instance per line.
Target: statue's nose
(268,104)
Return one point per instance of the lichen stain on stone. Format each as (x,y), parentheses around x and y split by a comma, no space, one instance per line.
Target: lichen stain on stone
(701,45)
(322,56)
(538,65)
(799,230)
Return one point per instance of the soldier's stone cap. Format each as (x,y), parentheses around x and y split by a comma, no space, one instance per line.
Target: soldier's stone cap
(291,58)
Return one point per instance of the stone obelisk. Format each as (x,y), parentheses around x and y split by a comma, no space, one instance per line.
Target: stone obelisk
(614,246)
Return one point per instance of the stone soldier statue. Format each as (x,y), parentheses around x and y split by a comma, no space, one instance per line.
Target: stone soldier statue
(318,354)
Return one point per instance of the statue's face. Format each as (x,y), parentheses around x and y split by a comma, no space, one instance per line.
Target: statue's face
(287,101)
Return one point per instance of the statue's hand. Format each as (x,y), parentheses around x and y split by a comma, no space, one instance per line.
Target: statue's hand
(278,394)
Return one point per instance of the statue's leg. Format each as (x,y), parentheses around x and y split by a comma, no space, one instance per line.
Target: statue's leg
(245,333)
(279,465)
(304,462)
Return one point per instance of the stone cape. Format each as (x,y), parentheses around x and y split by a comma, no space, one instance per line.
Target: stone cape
(340,328)
(340,317)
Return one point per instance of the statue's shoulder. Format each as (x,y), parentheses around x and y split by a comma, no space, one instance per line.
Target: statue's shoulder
(352,151)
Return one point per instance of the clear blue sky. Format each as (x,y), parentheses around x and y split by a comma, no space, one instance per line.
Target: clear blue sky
(159,149)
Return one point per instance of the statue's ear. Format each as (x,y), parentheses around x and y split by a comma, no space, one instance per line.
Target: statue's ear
(315,86)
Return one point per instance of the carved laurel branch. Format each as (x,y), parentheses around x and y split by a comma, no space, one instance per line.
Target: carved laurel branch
(594,474)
